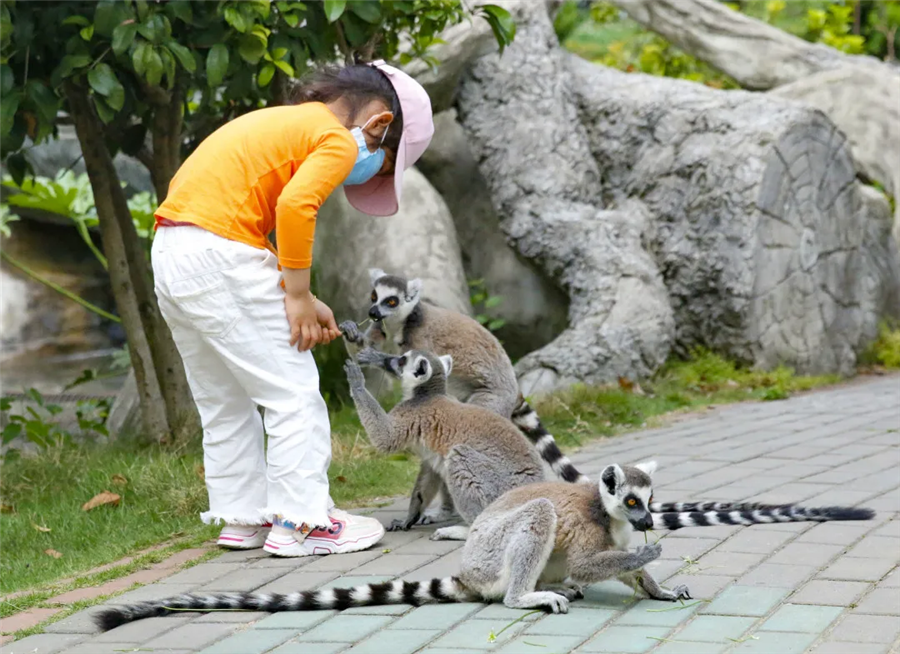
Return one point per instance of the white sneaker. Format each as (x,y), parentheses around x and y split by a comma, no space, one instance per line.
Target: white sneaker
(243,537)
(348,533)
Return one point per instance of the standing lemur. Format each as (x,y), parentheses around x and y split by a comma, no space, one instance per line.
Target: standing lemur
(471,451)
(534,547)
(483,374)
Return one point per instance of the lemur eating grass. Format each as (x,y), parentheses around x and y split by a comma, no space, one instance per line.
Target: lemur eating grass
(483,374)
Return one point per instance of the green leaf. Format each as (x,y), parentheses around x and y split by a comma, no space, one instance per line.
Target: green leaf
(285,68)
(168,62)
(501,22)
(106,113)
(278,53)
(140,58)
(265,75)
(44,100)
(251,48)
(334,9)
(123,37)
(35,396)
(156,29)
(76,20)
(11,432)
(154,68)
(369,11)
(109,14)
(18,167)
(87,33)
(102,79)
(8,107)
(185,56)
(291,19)
(235,18)
(216,64)
(182,10)
(7,80)
(72,62)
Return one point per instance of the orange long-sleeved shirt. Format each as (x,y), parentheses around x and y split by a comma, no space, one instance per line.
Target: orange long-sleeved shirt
(269,169)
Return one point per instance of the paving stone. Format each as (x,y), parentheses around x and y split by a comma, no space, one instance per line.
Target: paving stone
(141,631)
(287,563)
(406,641)
(890,529)
(654,613)
(445,650)
(777,575)
(837,647)
(241,556)
(42,644)
(686,647)
(296,620)
(532,644)
(500,612)
(625,639)
(891,581)
(252,641)
(719,532)
(191,636)
(387,609)
(150,593)
(445,566)
(805,618)
(833,533)
(881,601)
(394,564)
(877,547)
(77,623)
(106,648)
(609,595)
(353,581)
(682,547)
(755,542)
(815,554)
(427,546)
(298,580)
(746,601)
(867,629)
(475,634)
(701,586)
(726,564)
(771,642)
(245,579)
(715,628)
(577,622)
(436,616)
(853,569)
(344,562)
(830,592)
(293,647)
(346,628)
(199,574)
(231,617)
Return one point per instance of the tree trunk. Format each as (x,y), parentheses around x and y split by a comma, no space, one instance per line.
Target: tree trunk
(153,414)
(757,55)
(166,136)
(748,206)
(182,418)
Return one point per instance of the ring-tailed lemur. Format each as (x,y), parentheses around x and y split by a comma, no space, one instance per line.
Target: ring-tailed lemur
(534,547)
(678,515)
(477,454)
(482,371)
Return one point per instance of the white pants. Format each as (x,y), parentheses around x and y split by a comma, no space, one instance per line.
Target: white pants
(224,305)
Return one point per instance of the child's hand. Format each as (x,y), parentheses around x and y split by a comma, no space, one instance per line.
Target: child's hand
(325,316)
(303,318)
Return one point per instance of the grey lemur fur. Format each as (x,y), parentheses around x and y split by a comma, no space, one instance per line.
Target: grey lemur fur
(473,452)
(482,371)
(534,547)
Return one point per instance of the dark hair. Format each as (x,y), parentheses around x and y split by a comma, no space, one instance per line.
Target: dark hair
(357,85)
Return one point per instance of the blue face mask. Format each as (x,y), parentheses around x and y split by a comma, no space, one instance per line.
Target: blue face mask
(367,163)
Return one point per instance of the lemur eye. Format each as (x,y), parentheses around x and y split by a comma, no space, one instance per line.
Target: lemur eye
(631,502)
(392,302)
(374,296)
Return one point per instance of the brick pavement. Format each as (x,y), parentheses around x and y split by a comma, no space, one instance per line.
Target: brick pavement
(775,589)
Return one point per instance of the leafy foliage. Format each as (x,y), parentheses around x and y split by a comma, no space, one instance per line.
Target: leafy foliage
(482,301)
(39,423)
(884,350)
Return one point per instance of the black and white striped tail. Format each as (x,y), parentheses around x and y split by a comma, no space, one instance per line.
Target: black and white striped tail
(680,507)
(750,514)
(392,592)
(527,420)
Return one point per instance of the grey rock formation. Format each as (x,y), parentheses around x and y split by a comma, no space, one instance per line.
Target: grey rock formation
(535,311)
(419,241)
(524,129)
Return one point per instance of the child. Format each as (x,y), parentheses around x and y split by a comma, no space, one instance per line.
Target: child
(244,329)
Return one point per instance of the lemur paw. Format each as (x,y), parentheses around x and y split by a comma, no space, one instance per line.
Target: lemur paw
(556,603)
(681,592)
(433,516)
(648,553)
(355,376)
(399,525)
(370,356)
(571,593)
(350,331)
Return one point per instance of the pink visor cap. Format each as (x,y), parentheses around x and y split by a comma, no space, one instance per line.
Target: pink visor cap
(380,196)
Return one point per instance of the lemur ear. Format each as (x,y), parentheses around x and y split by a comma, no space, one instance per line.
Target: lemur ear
(413,288)
(612,478)
(375,274)
(447,362)
(647,466)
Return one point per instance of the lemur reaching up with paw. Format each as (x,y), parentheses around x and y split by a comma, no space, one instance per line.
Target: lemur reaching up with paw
(483,374)
(473,452)
(533,547)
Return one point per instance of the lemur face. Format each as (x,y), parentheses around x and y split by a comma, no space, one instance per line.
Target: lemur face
(627,492)
(413,369)
(392,298)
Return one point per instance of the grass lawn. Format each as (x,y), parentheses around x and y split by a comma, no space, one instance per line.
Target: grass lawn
(162,488)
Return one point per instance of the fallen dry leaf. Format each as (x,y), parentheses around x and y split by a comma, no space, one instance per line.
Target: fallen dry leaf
(45,530)
(53,553)
(119,480)
(341,478)
(201,472)
(7,508)
(626,384)
(100,499)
